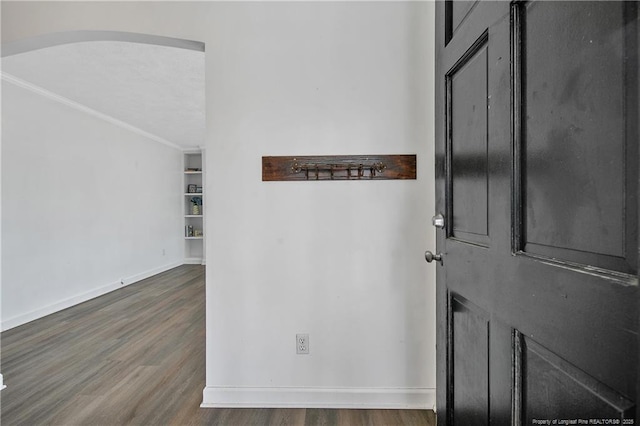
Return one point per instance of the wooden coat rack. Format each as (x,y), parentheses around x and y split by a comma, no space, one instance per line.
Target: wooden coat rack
(339,167)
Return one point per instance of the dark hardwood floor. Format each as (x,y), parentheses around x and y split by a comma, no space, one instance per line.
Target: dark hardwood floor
(136,356)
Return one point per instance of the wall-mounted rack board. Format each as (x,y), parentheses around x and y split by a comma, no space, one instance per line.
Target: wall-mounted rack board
(338,167)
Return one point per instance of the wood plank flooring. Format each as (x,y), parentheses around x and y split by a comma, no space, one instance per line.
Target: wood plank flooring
(136,357)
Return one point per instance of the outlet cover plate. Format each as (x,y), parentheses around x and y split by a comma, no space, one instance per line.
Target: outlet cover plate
(302,344)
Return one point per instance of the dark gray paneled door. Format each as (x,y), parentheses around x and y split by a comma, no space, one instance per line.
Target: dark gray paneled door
(537,180)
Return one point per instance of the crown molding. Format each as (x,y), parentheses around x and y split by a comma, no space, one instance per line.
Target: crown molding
(83,108)
(66,37)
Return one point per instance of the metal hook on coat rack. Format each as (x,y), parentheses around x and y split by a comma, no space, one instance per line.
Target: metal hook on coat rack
(335,170)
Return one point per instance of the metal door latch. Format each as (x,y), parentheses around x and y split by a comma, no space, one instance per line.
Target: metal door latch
(438,221)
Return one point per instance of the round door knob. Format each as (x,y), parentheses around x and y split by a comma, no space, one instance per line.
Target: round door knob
(438,221)
(430,257)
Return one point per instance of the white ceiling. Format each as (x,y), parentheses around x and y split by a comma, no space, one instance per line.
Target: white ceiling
(157,89)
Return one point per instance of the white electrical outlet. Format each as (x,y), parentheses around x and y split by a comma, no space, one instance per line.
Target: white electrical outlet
(302,344)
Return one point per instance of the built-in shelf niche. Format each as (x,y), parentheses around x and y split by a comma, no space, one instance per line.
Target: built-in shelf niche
(193,208)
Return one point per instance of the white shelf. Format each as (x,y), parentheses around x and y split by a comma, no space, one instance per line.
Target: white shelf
(193,238)
(192,215)
(192,173)
(195,194)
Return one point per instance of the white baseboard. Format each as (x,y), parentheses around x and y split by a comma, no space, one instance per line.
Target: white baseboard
(144,275)
(67,303)
(2,385)
(361,398)
(193,261)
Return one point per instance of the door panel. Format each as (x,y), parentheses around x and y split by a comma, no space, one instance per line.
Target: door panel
(577,191)
(536,174)
(555,389)
(468,182)
(470,329)
(459,11)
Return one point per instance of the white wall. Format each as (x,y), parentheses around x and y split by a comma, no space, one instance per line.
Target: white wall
(341,261)
(84,205)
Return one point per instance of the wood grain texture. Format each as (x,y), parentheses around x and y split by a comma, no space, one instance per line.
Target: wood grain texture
(346,167)
(136,356)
